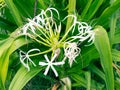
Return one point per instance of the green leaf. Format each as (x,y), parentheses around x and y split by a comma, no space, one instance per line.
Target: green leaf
(97,71)
(112,28)
(117,37)
(22,77)
(86,9)
(7,48)
(103,46)
(108,12)
(81,81)
(116,55)
(14,12)
(93,9)
(117,84)
(5,44)
(6,25)
(88,78)
(26,9)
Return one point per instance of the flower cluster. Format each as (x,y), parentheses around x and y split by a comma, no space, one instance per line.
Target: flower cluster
(44,29)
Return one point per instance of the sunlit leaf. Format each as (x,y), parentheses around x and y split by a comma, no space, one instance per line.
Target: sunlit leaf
(103,46)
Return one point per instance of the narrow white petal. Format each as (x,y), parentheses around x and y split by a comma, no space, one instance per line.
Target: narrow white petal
(53,58)
(43,63)
(50,10)
(46,70)
(58,63)
(31,50)
(31,61)
(46,57)
(56,74)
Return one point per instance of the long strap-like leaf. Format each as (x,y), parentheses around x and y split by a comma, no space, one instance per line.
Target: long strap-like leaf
(7,49)
(22,77)
(14,11)
(103,46)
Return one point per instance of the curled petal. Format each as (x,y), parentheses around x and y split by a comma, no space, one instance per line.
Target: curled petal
(31,50)
(50,10)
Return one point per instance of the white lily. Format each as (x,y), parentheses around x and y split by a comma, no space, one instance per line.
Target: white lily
(50,63)
(25,59)
(71,51)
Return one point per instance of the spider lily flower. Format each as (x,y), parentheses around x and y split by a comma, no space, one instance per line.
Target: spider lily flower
(50,63)
(25,59)
(71,51)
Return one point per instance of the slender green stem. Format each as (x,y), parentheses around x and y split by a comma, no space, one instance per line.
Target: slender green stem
(36,54)
(51,31)
(42,38)
(71,10)
(41,42)
(69,25)
(33,37)
(66,33)
(44,32)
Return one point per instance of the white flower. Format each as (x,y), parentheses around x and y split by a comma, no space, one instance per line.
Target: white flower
(50,10)
(71,51)
(50,63)
(28,26)
(25,59)
(31,25)
(39,19)
(85,32)
(72,27)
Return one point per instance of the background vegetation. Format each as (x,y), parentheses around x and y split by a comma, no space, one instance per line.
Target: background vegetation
(98,65)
